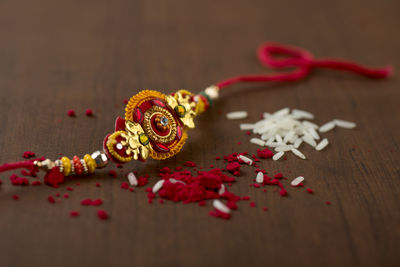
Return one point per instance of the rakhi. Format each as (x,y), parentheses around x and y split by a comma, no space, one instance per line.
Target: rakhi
(156,124)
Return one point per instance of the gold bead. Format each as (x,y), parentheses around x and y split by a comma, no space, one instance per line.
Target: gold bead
(66,162)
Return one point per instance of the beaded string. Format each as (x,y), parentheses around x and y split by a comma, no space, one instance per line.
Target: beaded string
(151,117)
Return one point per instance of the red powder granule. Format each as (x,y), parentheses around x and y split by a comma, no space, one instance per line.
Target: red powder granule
(202,203)
(142,181)
(28,154)
(97,202)
(178,168)
(328,202)
(89,112)
(245,198)
(211,166)
(219,214)
(256,185)
(190,164)
(125,101)
(35,183)
(15,197)
(74,213)
(239,143)
(66,196)
(265,209)
(232,205)
(71,113)
(248,133)
(283,192)
(102,214)
(78,184)
(120,165)
(265,153)
(98,184)
(112,173)
(264,190)
(234,168)
(309,190)
(57,194)
(124,185)
(51,199)
(161,201)
(131,189)
(70,188)
(217,158)
(86,202)
(278,175)
(252,204)
(15,180)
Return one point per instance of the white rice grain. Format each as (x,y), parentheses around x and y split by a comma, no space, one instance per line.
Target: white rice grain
(297,181)
(314,133)
(260,177)
(236,115)
(246,126)
(245,159)
(298,153)
(257,141)
(309,140)
(322,144)
(344,124)
(327,127)
(158,186)
(302,114)
(278,155)
(298,142)
(283,148)
(132,179)
(221,206)
(281,112)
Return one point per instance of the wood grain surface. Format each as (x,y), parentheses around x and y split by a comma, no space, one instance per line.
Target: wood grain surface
(59,55)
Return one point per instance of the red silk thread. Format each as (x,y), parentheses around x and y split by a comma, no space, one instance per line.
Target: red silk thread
(305,63)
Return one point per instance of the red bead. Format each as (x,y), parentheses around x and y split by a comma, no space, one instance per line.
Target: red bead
(78,168)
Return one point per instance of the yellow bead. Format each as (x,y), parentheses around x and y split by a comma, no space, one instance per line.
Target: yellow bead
(66,162)
(90,163)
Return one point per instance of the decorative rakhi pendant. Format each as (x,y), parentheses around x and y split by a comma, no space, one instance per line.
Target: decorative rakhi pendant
(155,124)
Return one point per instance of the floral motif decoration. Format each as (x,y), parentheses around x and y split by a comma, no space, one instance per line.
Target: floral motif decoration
(181,103)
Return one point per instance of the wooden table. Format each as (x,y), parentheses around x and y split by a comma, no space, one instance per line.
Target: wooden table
(60,55)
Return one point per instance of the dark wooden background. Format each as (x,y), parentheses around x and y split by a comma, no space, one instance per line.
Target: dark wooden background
(58,55)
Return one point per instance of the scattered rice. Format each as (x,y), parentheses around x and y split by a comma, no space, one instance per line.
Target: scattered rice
(257,141)
(246,126)
(221,206)
(298,142)
(309,140)
(158,186)
(327,127)
(322,144)
(236,115)
(298,153)
(245,159)
(132,179)
(283,148)
(301,114)
(344,124)
(260,177)
(297,181)
(286,130)
(278,155)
